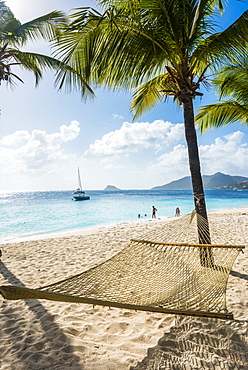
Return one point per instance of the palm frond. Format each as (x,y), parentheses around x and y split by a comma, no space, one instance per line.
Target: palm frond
(45,27)
(222,47)
(13,34)
(221,114)
(102,48)
(151,93)
(38,63)
(70,79)
(232,80)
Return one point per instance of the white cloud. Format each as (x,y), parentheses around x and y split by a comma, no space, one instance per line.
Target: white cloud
(228,155)
(235,137)
(134,137)
(127,158)
(171,165)
(17,139)
(24,151)
(117,116)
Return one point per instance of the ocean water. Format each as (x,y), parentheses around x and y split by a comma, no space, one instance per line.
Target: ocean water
(26,215)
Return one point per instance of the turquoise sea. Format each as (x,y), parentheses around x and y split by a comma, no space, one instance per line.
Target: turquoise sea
(26,215)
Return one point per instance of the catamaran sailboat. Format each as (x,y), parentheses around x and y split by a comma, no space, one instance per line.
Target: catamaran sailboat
(79,194)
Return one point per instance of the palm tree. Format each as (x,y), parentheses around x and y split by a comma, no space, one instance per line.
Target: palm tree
(232,84)
(14,35)
(158,49)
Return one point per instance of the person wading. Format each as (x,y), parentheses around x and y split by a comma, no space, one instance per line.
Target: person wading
(154,210)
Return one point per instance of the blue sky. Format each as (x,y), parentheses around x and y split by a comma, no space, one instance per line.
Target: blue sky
(45,135)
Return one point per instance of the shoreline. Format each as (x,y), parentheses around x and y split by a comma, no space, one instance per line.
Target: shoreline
(96,228)
(83,231)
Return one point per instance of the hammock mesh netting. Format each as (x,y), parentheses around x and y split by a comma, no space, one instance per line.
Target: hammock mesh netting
(167,271)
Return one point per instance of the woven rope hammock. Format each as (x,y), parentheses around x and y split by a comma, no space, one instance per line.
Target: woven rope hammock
(166,272)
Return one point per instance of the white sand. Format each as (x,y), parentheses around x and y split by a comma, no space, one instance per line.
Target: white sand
(52,335)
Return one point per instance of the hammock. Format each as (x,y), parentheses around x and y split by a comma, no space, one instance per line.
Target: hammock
(158,273)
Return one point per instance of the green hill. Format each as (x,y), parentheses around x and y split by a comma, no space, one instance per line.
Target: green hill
(218,180)
(242,185)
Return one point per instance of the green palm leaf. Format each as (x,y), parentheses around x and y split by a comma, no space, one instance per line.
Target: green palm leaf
(222,114)
(45,27)
(231,83)
(151,93)
(13,35)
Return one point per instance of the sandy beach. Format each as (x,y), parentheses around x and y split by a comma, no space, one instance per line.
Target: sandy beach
(52,335)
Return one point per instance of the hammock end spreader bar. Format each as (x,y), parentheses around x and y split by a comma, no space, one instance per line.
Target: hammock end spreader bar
(239,247)
(11,292)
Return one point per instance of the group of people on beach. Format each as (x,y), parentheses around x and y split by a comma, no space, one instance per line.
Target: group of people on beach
(154,210)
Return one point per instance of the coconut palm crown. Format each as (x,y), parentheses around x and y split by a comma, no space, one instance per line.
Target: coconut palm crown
(232,85)
(156,49)
(14,35)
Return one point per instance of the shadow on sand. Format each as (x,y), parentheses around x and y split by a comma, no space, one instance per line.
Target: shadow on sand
(33,341)
(200,343)
(237,274)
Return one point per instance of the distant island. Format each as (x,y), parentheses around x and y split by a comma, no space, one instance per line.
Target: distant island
(217,181)
(111,187)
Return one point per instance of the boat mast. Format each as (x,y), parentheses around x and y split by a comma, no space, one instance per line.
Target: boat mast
(79,180)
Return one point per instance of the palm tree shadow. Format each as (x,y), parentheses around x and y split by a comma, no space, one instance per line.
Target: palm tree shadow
(202,343)
(237,274)
(22,334)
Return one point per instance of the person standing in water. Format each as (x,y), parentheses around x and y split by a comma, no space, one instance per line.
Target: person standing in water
(154,210)
(177,212)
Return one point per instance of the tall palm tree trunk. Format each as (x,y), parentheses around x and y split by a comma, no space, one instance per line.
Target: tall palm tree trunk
(206,254)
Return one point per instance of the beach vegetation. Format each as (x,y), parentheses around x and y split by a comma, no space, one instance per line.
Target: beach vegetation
(232,87)
(15,35)
(156,49)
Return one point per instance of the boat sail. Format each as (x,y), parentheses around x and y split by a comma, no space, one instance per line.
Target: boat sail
(79,194)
